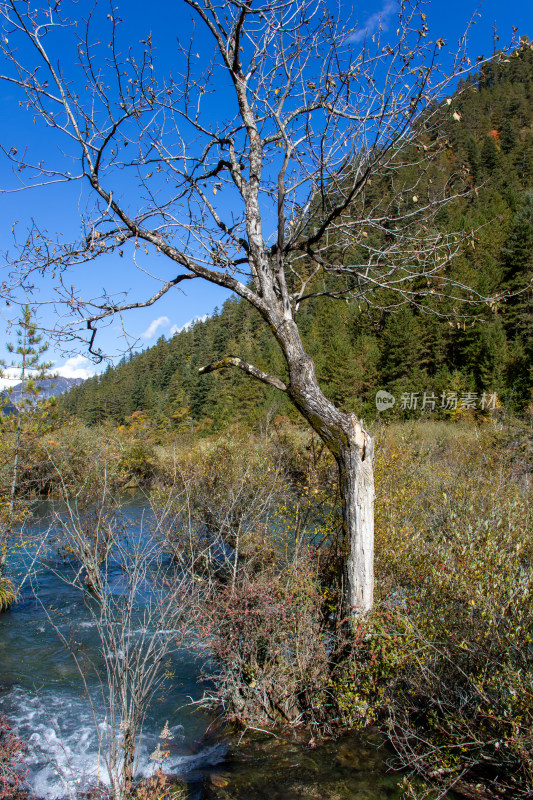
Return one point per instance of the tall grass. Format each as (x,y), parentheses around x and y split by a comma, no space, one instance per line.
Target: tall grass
(450,671)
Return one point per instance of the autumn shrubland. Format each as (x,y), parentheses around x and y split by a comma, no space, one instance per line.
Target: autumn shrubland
(442,665)
(445,661)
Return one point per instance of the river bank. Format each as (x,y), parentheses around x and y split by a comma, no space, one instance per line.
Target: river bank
(443,664)
(291,766)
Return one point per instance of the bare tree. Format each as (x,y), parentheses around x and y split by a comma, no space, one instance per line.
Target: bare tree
(140,606)
(316,115)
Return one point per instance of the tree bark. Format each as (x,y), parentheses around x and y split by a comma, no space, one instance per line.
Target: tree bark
(129,759)
(344,435)
(353,449)
(356,482)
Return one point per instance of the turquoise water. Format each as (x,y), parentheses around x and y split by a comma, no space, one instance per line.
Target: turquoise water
(61,716)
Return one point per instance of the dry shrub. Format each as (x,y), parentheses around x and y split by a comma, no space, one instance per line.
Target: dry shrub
(159,787)
(232,519)
(269,646)
(446,660)
(225,491)
(444,663)
(81,460)
(71,458)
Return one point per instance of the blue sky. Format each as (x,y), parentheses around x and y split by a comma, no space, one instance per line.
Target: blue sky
(56,208)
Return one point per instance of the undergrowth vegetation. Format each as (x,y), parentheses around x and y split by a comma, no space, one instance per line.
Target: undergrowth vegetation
(444,663)
(12,772)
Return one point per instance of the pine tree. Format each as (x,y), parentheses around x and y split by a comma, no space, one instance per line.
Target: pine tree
(404,351)
(490,357)
(474,158)
(518,273)
(508,138)
(29,349)
(490,156)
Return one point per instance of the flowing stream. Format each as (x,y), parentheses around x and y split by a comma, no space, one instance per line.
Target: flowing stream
(62,717)
(44,698)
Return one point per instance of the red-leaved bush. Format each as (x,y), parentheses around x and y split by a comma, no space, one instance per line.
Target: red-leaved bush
(266,636)
(12,770)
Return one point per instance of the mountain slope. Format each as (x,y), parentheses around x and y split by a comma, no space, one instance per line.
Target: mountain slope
(48,387)
(489,135)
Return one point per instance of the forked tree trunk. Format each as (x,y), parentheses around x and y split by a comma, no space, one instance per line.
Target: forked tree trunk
(353,449)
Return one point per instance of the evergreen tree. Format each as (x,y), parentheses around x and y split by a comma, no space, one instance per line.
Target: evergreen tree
(518,283)
(27,353)
(474,158)
(490,156)
(508,138)
(404,351)
(518,273)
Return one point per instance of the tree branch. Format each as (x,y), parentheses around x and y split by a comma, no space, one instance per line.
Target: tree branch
(117,309)
(232,361)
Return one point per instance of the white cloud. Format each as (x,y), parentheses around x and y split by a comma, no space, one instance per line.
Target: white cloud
(76,367)
(175,329)
(153,327)
(374,21)
(10,377)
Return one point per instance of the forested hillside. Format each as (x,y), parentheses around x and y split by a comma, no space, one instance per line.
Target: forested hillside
(358,350)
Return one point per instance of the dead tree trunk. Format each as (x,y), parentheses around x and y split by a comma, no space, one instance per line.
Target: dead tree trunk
(356,480)
(353,448)
(351,445)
